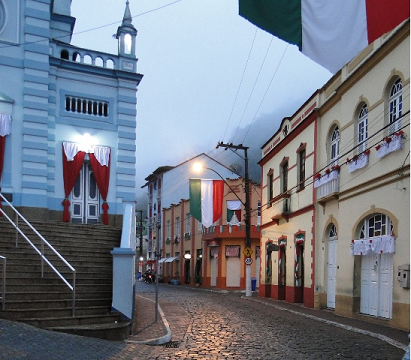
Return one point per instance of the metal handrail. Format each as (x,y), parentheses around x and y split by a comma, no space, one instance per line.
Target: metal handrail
(3,291)
(72,286)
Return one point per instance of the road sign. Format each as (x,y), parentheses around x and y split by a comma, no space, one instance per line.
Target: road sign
(247,252)
(248,261)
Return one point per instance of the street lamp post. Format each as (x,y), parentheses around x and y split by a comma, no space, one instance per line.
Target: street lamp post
(248,291)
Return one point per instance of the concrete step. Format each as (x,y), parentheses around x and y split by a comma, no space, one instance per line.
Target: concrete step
(50,305)
(73,321)
(19,314)
(46,301)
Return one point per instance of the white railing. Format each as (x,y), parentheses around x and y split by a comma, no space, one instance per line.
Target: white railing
(3,284)
(40,251)
(327,188)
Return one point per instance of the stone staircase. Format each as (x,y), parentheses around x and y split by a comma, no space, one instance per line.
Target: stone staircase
(46,302)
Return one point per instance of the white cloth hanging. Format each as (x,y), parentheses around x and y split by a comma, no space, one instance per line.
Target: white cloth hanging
(378,245)
(326,178)
(388,147)
(71,150)
(5,124)
(102,153)
(233,204)
(359,163)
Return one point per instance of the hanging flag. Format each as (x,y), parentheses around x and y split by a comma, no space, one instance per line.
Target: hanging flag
(329,32)
(206,200)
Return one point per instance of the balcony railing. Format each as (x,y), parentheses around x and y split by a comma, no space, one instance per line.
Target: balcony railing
(328,184)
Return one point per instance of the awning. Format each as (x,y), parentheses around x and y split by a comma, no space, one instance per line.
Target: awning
(162,260)
(171,259)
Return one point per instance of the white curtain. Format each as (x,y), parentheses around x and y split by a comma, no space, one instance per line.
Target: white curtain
(102,153)
(5,124)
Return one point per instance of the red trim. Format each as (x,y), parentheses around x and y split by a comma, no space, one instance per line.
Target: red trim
(291,136)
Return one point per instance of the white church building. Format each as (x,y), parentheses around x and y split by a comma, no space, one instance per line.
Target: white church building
(65,111)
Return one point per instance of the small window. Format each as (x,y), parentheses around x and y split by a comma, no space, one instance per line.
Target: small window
(284,177)
(395,106)
(362,130)
(168,229)
(270,185)
(177,226)
(301,169)
(335,146)
(188,223)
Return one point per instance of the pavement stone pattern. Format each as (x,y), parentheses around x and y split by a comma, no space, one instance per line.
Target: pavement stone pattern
(215,325)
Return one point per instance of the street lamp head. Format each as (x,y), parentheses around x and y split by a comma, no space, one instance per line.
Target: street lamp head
(198,167)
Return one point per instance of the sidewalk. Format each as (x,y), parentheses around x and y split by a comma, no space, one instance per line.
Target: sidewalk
(172,322)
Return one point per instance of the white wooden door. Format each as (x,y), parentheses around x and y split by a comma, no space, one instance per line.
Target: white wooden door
(233,272)
(376,285)
(85,197)
(386,284)
(331,272)
(214,268)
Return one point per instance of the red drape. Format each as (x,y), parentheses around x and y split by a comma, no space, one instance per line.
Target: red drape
(2,147)
(102,176)
(71,170)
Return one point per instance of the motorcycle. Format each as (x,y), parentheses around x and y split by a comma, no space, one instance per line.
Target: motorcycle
(149,277)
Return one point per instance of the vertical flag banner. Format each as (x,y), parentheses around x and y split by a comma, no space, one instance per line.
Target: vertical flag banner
(206,200)
(331,33)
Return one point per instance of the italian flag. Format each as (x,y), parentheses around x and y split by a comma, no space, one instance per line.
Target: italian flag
(206,200)
(329,32)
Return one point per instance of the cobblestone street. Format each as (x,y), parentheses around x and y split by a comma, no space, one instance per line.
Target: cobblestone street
(211,325)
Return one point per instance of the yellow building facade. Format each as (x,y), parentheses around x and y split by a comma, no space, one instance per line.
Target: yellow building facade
(212,257)
(335,192)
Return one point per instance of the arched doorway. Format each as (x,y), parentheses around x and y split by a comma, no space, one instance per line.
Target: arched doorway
(375,248)
(299,269)
(331,266)
(282,273)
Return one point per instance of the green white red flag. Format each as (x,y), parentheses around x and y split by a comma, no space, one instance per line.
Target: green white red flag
(206,200)
(329,32)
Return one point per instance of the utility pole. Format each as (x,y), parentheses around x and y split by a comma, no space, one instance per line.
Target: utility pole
(141,232)
(247,211)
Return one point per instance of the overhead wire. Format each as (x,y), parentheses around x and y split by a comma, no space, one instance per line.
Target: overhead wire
(239,85)
(91,29)
(252,90)
(265,94)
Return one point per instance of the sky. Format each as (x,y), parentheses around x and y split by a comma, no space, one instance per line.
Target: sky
(209,76)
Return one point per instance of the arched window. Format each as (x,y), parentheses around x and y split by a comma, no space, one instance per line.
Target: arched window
(395,106)
(362,129)
(64,54)
(332,232)
(335,146)
(377,225)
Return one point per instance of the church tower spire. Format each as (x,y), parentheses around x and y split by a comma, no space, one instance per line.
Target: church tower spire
(126,35)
